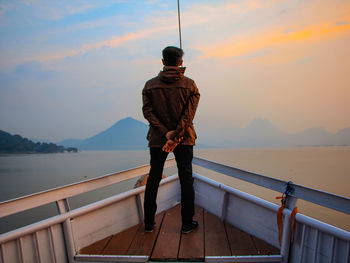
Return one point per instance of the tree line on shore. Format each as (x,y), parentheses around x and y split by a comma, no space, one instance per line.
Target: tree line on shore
(17,144)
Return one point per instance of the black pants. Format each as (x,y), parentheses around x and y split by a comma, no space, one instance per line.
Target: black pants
(183,155)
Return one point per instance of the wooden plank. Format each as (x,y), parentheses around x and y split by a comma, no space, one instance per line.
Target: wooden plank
(264,248)
(97,247)
(143,242)
(121,242)
(192,244)
(241,243)
(169,236)
(216,243)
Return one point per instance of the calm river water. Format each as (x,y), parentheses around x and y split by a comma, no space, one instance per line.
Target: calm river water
(324,168)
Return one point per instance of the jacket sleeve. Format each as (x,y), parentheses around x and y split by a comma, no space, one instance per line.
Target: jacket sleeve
(188,113)
(148,113)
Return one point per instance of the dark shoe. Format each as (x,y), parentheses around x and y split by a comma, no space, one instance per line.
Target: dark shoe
(149,228)
(187,228)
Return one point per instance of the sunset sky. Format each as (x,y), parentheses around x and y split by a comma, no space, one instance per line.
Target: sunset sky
(70,69)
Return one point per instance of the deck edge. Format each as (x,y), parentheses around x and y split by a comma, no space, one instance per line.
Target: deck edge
(110,258)
(246,259)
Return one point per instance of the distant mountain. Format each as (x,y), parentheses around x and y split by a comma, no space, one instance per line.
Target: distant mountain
(258,133)
(17,144)
(312,137)
(343,136)
(126,134)
(262,133)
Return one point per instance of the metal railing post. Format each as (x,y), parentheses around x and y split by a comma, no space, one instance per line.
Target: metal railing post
(63,207)
(287,230)
(139,207)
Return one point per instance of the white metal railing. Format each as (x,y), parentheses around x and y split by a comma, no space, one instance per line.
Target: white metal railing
(326,243)
(61,193)
(335,202)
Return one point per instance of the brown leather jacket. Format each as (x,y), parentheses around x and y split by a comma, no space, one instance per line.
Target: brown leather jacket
(170,101)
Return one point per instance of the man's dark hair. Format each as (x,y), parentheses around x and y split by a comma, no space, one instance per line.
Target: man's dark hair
(172,55)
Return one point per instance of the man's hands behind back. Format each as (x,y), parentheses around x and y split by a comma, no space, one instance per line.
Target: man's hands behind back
(170,145)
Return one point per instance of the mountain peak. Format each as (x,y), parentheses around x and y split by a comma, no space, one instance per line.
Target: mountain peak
(125,134)
(259,124)
(126,121)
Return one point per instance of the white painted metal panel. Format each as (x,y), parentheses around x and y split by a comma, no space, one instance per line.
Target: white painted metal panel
(209,197)
(28,249)
(316,246)
(168,195)
(44,246)
(103,222)
(342,251)
(252,218)
(58,244)
(310,245)
(10,252)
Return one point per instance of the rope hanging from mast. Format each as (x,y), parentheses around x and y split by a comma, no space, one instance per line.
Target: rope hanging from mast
(178,16)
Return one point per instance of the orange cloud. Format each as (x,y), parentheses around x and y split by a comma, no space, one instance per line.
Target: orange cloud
(278,37)
(111,43)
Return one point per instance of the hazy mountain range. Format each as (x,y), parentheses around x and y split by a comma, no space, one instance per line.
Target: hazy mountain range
(262,133)
(130,134)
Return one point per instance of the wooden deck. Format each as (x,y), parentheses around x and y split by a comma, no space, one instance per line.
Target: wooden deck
(212,238)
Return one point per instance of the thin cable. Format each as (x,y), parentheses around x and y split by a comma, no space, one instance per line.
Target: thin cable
(178,16)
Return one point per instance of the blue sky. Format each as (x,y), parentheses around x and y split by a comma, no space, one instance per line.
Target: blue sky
(73,68)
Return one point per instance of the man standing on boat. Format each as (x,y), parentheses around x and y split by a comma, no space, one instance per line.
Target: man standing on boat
(170,101)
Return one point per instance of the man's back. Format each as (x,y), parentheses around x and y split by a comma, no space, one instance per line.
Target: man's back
(170,100)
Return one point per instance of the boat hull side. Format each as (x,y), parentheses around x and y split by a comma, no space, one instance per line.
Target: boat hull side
(118,216)
(244,211)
